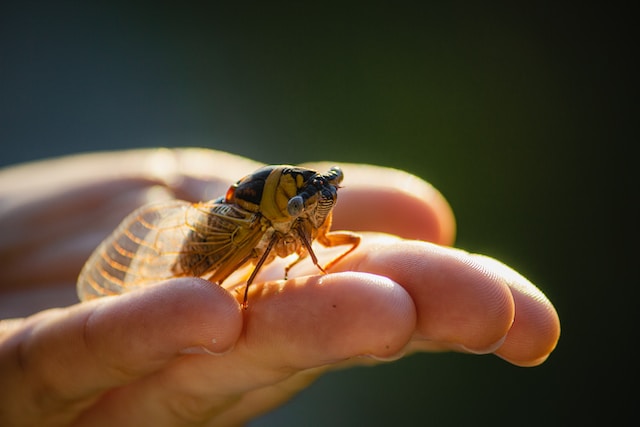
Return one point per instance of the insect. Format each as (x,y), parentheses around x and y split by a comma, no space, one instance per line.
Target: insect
(276,211)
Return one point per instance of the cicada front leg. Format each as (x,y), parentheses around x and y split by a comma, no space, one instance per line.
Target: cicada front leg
(339,238)
(330,239)
(304,251)
(327,239)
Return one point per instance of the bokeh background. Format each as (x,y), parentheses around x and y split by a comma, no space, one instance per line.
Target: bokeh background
(519,114)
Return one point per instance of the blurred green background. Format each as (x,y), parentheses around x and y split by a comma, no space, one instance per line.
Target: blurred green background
(517,113)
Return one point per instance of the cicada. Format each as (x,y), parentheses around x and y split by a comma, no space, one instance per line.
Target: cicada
(276,211)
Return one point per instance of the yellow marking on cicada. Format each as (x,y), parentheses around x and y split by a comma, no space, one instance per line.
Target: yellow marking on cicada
(272,198)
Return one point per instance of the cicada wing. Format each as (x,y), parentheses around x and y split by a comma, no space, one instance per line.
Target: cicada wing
(141,251)
(171,239)
(222,239)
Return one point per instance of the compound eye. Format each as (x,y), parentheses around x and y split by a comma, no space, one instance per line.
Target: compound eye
(335,175)
(295,206)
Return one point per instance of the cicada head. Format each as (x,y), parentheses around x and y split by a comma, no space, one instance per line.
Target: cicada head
(316,197)
(282,193)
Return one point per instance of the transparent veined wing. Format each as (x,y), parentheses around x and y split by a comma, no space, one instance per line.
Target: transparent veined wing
(143,249)
(166,240)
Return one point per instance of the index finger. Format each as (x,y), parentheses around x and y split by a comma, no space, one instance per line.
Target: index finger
(464,301)
(56,211)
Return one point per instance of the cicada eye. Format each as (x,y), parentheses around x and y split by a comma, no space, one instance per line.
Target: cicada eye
(295,206)
(335,175)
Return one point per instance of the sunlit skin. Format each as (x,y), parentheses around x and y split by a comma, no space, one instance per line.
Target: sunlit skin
(185,351)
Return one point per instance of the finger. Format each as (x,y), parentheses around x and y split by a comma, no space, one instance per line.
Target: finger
(98,180)
(206,174)
(375,198)
(460,304)
(61,360)
(47,241)
(458,301)
(337,317)
(536,327)
(314,320)
(71,203)
(463,300)
(168,167)
(289,326)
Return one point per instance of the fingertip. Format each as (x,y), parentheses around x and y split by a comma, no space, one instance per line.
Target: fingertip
(315,320)
(375,198)
(535,331)
(536,327)
(214,316)
(159,322)
(530,342)
(396,211)
(72,354)
(459,301)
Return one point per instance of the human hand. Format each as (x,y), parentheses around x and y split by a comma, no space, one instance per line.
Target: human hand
(184,351)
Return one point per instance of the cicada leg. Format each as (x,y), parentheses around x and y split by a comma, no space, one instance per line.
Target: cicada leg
(330,239)
(302,254)
(326,239)
(338,238)
(254,273)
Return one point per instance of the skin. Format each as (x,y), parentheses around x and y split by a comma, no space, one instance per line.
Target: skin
(183,352)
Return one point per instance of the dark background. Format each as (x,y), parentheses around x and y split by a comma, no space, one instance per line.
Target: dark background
(519,114)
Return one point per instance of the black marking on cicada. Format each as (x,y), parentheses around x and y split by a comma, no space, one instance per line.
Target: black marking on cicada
(274,212)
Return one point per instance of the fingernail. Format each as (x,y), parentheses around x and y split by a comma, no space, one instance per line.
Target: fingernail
(391,358)
(486,349)
(200,349)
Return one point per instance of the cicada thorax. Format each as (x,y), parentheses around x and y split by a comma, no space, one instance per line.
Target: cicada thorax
(296,201)
(275,211)
(220,240)
(269,191)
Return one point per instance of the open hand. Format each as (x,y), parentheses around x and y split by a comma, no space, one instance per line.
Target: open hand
(184,352)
